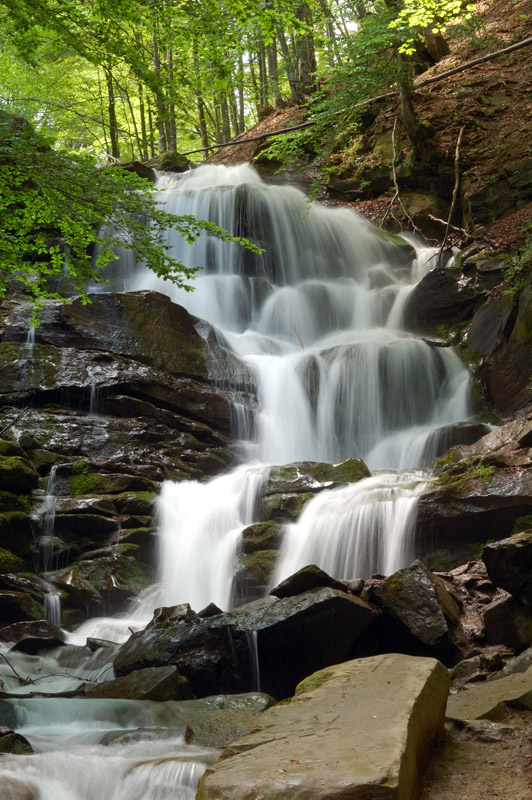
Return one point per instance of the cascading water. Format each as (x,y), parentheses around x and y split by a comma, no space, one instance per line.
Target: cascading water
(319,319)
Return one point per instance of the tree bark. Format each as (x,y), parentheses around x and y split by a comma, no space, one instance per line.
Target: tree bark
(111,110)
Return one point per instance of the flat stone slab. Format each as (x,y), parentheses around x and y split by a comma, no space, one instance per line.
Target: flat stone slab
(361,729)
(487,700)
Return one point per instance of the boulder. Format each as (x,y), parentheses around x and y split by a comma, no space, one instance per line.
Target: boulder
(364,729)
(15,743)
(489,700)
(34,629)
(281,639)
(508,622)
(18,607)
(17,475)
(509,565)
(156,683)
(420,614)
(303,580)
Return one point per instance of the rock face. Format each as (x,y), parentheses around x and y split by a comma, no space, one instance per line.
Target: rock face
(275,642)
(116,396)
(509,565)
(499,336)
(159,683)
(359,729)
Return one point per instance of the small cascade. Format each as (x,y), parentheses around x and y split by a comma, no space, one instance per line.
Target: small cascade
(46,541)
(252,640)
(113,749)
(52,607)
(357,530)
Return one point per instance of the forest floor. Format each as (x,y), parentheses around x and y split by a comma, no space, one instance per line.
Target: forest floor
(493,101)
(483,762)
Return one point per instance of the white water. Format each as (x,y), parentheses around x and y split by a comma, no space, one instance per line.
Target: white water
(319,319)
(112,749)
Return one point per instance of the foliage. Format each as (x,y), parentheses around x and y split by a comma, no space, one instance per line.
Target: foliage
(52,206)
(518,273)
(416,15)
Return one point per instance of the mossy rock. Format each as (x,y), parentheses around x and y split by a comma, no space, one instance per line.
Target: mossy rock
(43,460)
(262,536)
(16,532)
(85,481)
(255,571)
(144,539)
(9,562)
(16,744)
(17,607)
(17,475)
(14,502)
(136,503)
(284,507)
(8,448)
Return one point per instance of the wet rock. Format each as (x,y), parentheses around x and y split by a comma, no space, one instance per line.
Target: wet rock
(509,565)
(156,683)
(420,613)
(145,326)
(477,498)
(293,635)
(16,532)
(303,580)
(312,476)
(500,336)
(40,629)
(252,576)
(440,297)
(459,433)
(18,607)
(15,743)
(360,729)
(262,536)
(10,562)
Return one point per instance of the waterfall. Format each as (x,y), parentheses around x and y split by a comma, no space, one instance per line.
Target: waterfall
(318,317)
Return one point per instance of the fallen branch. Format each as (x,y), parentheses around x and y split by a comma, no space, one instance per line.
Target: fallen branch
(7,427)
(397,195)
(455,191)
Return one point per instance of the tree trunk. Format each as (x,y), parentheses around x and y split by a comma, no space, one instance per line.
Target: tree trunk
(111,110)
(241,118)
(226,125)
(271,52)
(306,54)
(291,74)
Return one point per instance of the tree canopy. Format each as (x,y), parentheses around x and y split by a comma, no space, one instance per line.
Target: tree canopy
(108,80)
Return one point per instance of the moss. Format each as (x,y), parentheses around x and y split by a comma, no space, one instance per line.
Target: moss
(14,502)
(523,523)
(10,562)
(17,475)
(262,536)
(314,681)
(258,567)
(463,475)
(8,448)
(285,506)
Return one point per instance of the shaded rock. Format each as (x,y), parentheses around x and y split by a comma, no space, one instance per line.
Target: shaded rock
(17,475)
(360,729)
(157,683)
(17,607)
(509,565)
(460,433)
(303,580)
(508,622)
(16,532)
(169,161)
(489,700)
(440,297)
(500,336)
(420,608)
(34,629)
(145,326)
(293,635)
(15,743)
(252,576)
(10,562)
(283,507)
